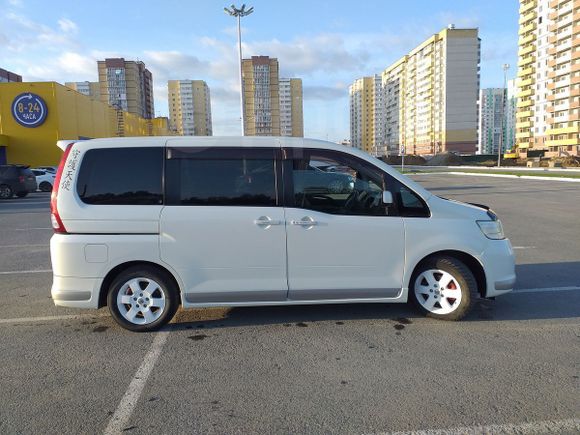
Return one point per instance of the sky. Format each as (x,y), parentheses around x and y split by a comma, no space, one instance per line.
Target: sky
(326,44)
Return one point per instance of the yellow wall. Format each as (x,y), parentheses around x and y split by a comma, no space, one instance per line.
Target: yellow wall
(71,115)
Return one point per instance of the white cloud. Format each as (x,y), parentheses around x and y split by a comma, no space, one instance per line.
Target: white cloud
(68,26)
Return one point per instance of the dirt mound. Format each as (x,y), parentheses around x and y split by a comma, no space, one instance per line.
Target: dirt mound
(571,162)
(409,160)
(445,159)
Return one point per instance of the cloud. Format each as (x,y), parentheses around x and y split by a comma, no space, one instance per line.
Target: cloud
(35,36)
(16,3)
(175,64)
(68,26)
(324,93)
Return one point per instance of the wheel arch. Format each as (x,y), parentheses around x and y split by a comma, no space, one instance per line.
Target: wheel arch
(469,260)
(115,271)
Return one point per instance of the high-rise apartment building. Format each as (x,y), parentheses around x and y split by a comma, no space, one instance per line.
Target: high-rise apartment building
(190,107)
(291,116)
(425,102)
(127,85)
(261,96)
(510,116)
(366,115)
(431,95)
(90,89)
(548,107)
(492,105)
(9,77)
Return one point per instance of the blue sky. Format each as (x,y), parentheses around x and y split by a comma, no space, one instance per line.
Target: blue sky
(327,44)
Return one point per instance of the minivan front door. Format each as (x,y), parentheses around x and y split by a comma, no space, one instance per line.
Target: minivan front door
(343,241)
(222,229)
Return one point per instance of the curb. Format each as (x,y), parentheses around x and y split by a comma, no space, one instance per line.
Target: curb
(526,177)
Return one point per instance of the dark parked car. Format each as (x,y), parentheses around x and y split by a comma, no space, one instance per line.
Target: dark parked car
(16,180)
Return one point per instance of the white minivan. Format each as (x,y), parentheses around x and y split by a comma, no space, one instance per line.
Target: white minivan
(146,224)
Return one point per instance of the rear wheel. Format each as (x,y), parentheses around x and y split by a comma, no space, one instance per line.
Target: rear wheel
(443,288)
(143,298)
(6,191)
(45,186)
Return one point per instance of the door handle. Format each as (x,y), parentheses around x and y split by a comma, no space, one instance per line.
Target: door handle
(266,221)
(306,221)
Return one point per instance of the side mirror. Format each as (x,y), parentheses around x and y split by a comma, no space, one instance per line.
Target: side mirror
(387,197)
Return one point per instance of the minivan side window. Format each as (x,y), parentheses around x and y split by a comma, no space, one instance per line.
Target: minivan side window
(332,182)
(221,176)
(121,176)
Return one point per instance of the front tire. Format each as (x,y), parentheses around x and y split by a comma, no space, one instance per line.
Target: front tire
(143,298)
(443,288)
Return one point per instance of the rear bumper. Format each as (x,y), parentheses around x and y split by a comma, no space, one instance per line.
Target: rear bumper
(500,268)
(75,292)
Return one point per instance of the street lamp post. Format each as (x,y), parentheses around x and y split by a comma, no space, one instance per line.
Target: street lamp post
(239,13)
(505,67)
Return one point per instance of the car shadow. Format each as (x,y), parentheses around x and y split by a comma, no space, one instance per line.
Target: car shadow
(535,305)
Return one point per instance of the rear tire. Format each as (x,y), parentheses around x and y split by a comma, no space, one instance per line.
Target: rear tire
(6,191)
(143,298)
(45,186)
(443,288)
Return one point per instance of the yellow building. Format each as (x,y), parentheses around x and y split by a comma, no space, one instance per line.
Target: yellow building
(261,96)
(34,115)
(190,107)
(548,107)
(291,112)
(363,117)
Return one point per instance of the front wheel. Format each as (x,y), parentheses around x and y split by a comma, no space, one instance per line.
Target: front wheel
(45,186)
(143,298)
(443,288)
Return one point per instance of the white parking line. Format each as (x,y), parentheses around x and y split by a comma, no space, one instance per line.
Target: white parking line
(571,425)
(51,318)
(17,272)
(123,412)
(547,289)
(523,247)
(45,245)
(28,229)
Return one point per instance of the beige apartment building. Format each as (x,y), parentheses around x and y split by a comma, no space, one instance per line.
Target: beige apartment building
(90,89)
(548,107)
(261,96)
(291,111)
(190,107)
(426,102)
(364,115)
(127,85)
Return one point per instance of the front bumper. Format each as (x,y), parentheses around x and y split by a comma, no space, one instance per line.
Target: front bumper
(75,292)
(500,267)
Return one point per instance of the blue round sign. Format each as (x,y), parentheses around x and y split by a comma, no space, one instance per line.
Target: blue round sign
(29,110)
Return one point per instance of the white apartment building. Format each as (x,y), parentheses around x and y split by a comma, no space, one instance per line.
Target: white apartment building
(491,120)
(190,107)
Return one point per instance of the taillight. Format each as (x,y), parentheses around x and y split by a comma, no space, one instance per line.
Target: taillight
(21,178)
(55,219)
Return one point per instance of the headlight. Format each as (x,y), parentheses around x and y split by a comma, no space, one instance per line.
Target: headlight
(491,229)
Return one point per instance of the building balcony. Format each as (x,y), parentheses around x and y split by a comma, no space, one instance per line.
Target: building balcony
(523,72)
(562,142)
(560,83)
(525,7)
(523,134)
(564,130)
(524,103)
(525,93)
(551,86)
(524,114)
(525,82)
(524,124)
(526,61)
(553,3)
(526,39)
(527,28)
(528,16)
(528,49)
(523,145)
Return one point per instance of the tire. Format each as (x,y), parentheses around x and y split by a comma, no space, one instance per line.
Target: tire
(443,288)
(143,298)
(6,191)
(21,194)
(45,186)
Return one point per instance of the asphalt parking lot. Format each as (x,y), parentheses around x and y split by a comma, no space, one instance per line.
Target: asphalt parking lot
(512,367)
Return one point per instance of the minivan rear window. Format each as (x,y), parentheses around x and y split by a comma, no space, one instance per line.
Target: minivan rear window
(121,176)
